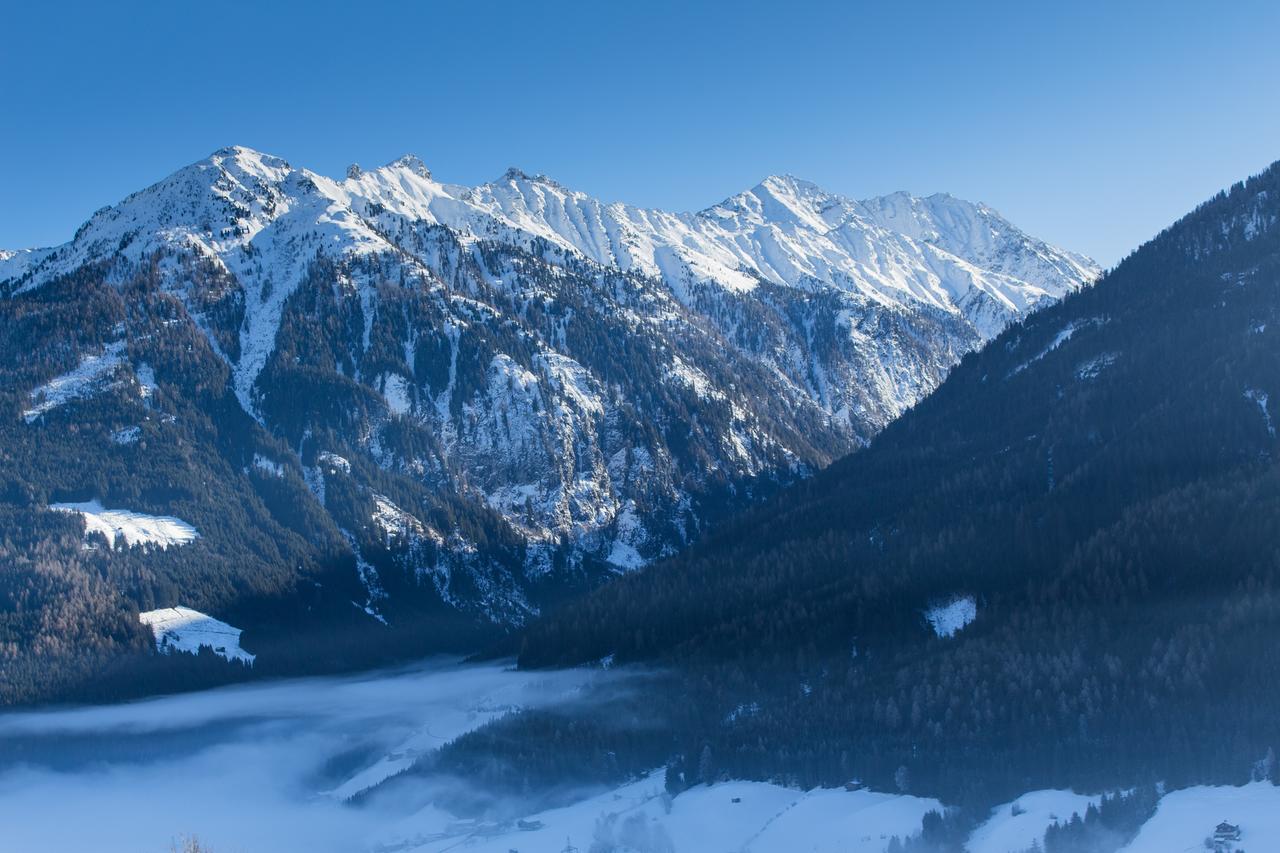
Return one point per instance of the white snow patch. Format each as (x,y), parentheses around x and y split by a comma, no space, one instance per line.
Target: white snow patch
(1064,334)
(334,463)
(147,386)
(396,524)
(134,528)
(947,619)
(691,377)
(127,435)
(629,533)
(1185,818)
(380,771)
(396,391)
(267,465)
(185,630)
(1014,827)
(746,709)
(369,579)
(1091,368)
(84,381)
(1260,397)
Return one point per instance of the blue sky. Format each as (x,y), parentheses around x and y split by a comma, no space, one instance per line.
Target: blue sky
(1090,124)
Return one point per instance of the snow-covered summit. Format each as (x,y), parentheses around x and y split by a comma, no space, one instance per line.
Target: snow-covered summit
(938,251)
(264,222)
(413,163)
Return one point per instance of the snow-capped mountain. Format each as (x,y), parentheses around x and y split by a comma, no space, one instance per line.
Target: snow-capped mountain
(489,389)
(263,220)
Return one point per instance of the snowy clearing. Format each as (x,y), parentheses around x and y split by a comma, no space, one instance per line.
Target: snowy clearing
(1185,818)
(85,380)
(127,435)
(947,619)
(396,392)
(268,465)
(1017,825)
(133,528)
(185,630)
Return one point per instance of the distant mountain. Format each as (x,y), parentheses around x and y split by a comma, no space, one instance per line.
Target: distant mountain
(1062,568)
(449,406)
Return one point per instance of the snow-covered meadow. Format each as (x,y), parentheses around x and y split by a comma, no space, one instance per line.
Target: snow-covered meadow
(182,629)
(127,528)
(1185,818)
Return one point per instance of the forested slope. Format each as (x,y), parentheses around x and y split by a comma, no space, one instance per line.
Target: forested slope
(1098,489)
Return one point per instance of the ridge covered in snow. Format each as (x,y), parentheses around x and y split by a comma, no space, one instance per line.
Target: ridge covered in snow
(264,219)
(942,252)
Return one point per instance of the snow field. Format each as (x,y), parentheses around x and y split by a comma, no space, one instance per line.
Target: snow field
(947,619)
(185,630)
(130,528)
(1014,827)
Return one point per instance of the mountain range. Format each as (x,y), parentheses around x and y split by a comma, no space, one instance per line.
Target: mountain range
(396,414)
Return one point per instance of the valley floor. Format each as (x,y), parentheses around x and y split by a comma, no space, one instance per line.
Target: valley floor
(273,768)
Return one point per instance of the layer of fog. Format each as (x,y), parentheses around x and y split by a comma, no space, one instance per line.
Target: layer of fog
(245,768)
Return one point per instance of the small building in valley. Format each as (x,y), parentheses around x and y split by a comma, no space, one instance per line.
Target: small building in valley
(1225,833)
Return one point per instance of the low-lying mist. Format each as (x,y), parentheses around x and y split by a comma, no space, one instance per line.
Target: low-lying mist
(254,768)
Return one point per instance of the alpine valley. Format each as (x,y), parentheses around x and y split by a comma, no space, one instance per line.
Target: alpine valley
(332,423)
(1060,570)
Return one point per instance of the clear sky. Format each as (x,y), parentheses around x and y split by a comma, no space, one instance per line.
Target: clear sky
(1090,124)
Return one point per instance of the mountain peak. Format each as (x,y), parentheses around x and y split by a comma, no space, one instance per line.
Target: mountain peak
(413,163)
(515,174)
(779,199)
(789,183)
(242,154)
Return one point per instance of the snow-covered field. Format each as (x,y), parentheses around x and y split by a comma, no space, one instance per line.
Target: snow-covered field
(132,528)
(185,630)
(1185,818)
(1014,827)
(947,619)
(737,816)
